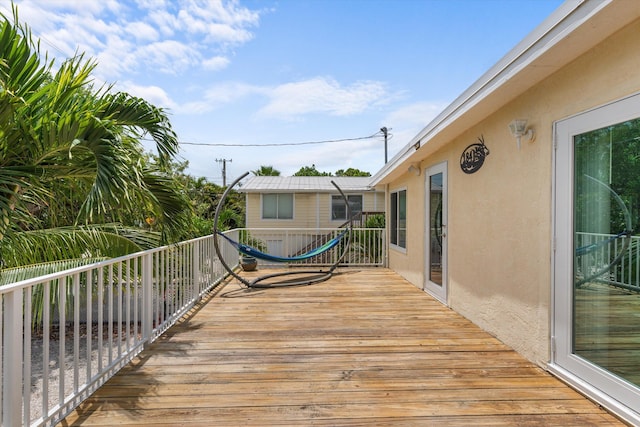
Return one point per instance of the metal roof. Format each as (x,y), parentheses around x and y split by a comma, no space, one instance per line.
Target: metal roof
(305,184)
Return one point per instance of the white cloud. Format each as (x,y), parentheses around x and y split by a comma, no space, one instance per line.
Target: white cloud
(322,95)
(152,94)
(142,31)
(406,122)
(290,101)
(419,113)
(168,56)
(166,36)
(216,63)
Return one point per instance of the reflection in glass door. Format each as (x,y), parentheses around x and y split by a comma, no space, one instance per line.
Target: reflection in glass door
(606,264)
(597,260)
(435,242)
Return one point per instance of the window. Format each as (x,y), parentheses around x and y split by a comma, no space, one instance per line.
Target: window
(398,226)
(339,210)
(277,206)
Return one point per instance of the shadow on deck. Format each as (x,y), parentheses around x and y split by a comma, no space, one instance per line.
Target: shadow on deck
(364,348)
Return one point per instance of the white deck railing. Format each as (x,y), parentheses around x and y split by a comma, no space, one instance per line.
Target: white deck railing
(367,245)
(624,273)
(65,334)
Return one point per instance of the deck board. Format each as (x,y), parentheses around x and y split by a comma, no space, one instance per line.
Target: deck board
(365,348)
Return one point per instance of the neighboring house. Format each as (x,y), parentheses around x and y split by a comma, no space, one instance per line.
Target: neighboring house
(525,240)
(307,201)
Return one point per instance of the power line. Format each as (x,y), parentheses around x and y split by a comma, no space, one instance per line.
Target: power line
(215,144)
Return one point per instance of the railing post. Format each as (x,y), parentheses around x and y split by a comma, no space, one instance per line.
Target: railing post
(12,359)
(195,272)
(147,298)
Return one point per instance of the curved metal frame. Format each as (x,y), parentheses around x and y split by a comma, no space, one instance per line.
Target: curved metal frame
(312,276)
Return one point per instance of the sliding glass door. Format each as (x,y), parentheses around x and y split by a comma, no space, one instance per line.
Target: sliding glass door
(597,260)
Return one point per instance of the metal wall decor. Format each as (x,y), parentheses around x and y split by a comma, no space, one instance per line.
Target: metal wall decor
(473,156)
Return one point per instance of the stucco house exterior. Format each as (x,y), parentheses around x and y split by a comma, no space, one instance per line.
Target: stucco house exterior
(526,235)
(307,201)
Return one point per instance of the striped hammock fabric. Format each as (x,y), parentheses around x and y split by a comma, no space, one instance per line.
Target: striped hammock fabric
(250,251)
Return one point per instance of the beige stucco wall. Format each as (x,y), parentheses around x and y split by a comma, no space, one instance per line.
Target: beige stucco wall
(310,210)
(500,218)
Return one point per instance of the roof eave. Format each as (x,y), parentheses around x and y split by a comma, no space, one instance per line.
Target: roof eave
(567,33)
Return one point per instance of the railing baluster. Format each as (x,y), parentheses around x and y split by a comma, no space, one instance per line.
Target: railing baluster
(76,331)
(46,333)
(26,383)
(12,358)
(110,289)
(89,323)
(147,298)
(100,291)
(120,314)
(62,319)
(136,284)
(127,296)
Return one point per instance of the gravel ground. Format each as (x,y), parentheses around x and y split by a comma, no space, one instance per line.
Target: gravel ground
(53,363)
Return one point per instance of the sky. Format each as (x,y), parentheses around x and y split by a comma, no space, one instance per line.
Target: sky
(286,83)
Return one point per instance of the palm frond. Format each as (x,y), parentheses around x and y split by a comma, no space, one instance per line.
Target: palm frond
(64,243)
(16,274)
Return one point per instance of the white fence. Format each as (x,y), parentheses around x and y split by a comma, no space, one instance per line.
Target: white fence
(608,258)
(65,334)
(367,245)
(75,329)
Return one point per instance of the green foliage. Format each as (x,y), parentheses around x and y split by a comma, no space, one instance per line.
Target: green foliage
(71,161)
(266,171)
(248,239)
(375,221)
(310,171)
(352,172)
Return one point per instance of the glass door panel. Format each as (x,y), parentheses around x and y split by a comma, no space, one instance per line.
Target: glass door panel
(436,235)
(595,340)
(435,227)
(606,267)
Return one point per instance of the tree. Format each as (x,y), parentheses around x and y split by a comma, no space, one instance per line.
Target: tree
(266,171)
(71,164)
(352,172)
(310,171)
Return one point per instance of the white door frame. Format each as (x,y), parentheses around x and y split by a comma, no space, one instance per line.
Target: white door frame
(438,291)
(609,390)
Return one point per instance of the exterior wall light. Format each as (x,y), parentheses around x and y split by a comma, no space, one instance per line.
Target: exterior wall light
(518,128)
(414,168)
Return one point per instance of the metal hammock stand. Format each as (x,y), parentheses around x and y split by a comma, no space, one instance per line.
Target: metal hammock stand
(308,276)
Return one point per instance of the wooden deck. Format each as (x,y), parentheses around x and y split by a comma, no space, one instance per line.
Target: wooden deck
(364,348)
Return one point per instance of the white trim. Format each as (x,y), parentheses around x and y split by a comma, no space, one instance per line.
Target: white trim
(439,292)
(623,412)
(331,196)
(293,207)
(512,70)
(394,245)
(613,392)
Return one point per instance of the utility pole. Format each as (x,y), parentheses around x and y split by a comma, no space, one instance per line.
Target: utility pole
(385,132)
(224,170)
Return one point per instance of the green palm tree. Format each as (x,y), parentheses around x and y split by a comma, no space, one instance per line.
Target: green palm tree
(266,171)
(71,158)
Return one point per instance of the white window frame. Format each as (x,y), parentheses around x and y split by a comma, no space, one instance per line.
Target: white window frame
(396,246)
(337,197)
(277,218)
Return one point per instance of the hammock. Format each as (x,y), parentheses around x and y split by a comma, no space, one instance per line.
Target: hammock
(250,251)
(309,276)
